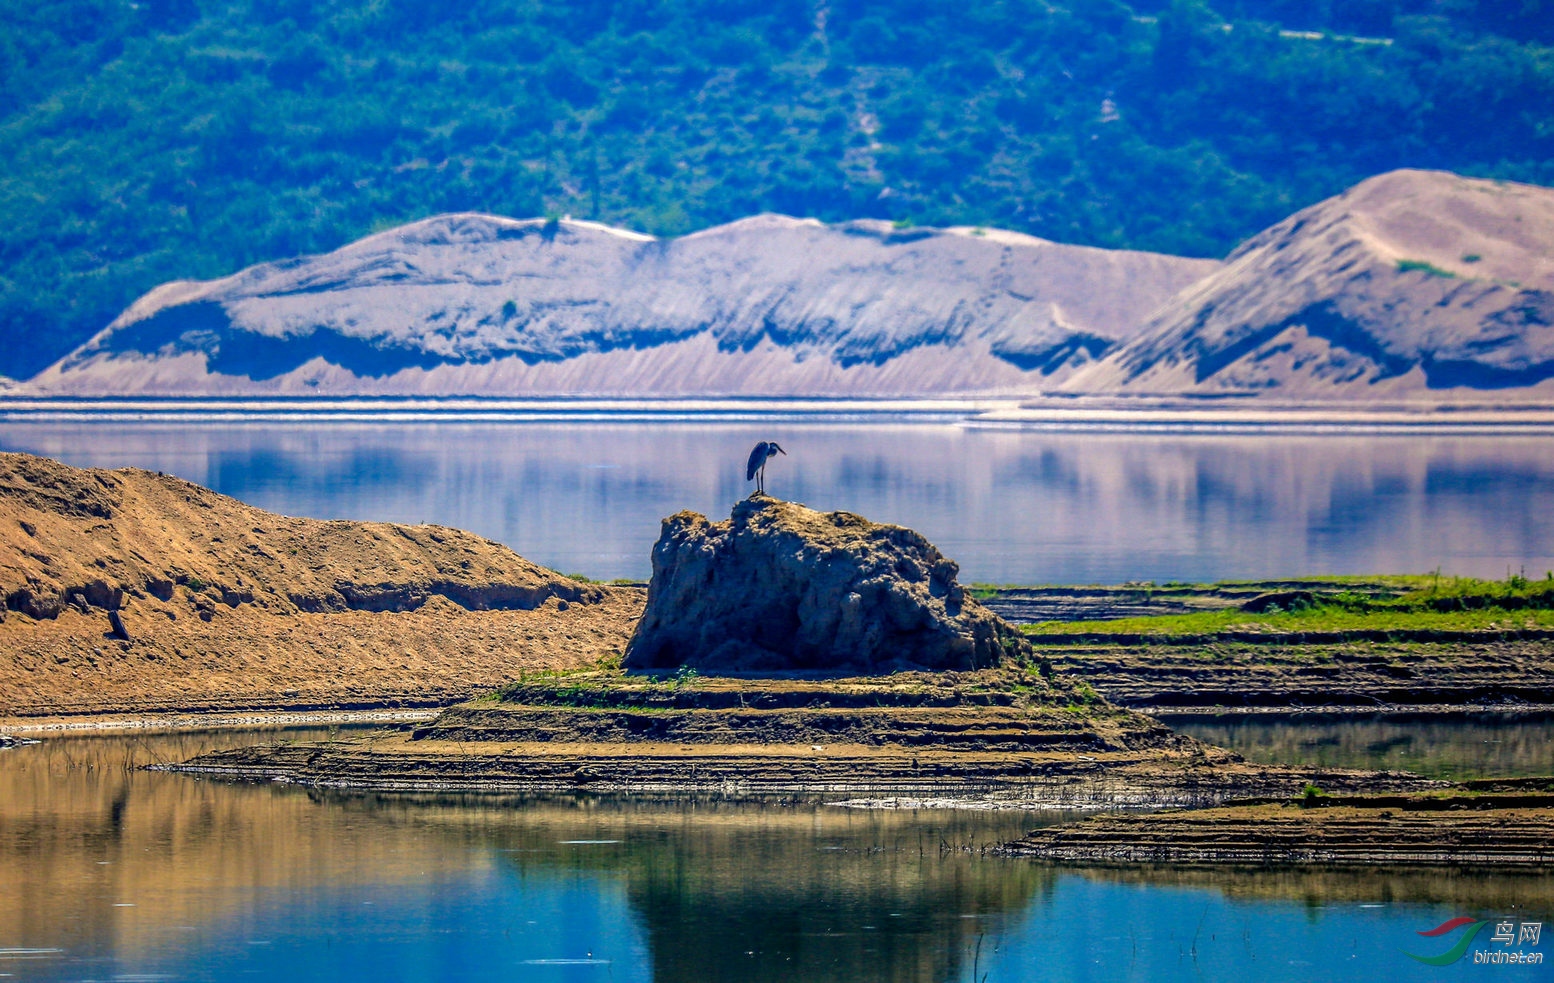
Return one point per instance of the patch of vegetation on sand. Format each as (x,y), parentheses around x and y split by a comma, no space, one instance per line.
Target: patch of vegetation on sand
(1419,265)
(1027,688)
(1405,605)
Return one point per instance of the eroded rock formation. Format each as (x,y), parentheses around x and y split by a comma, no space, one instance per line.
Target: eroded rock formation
(783,587)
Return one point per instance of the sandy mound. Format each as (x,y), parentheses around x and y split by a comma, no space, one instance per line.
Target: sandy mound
(472,303)
(1410,281)
(131,590)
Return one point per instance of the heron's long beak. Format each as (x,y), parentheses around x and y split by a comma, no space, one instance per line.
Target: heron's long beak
(779,449)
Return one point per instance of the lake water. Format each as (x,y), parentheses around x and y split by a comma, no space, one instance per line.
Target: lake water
(586,495)
(116,873)
(110,872)
(1454,746)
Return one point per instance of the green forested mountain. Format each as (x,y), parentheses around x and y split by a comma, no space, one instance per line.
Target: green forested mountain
(163,139)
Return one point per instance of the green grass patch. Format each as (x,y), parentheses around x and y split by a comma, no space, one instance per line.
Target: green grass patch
(1410,265)
(1428,602)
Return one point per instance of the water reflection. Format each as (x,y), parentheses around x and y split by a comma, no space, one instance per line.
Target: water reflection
(1012,507)
(1458,745)
(126,872)
(123,870)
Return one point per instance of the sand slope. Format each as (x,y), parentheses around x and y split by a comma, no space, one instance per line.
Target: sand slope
(478,304)
(1408,282)
(226,605)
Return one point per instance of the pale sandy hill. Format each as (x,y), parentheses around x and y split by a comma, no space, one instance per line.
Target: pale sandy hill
(478,304)
(226,605)
(1410,282)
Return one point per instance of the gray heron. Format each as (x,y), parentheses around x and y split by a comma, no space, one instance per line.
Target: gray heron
(755,468)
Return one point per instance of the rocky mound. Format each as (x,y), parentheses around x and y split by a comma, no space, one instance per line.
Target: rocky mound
(480,304)
(1409,281)
(132,590)
(783,587)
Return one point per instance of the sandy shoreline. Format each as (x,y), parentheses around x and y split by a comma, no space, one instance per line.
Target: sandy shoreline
(115,723)
(1508,832)
(859,776)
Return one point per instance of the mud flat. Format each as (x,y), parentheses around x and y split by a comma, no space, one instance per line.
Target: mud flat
(990,738)
(1513,828)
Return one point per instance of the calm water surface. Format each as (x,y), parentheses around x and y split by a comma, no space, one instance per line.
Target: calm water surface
(1011,507)
(115,873)
(1454,746)
(109,872)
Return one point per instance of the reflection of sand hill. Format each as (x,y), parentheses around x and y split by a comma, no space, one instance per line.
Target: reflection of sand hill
(82,831)
(1411,280)
(705,878)
(228,605)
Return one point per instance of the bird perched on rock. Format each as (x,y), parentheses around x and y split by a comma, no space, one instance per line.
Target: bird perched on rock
(755,468)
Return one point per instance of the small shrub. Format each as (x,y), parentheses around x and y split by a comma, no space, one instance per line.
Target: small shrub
(1410,265)
(1471,257)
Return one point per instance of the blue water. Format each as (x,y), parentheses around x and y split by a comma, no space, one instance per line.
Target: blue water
(108,872)
(587,496)
(111,872)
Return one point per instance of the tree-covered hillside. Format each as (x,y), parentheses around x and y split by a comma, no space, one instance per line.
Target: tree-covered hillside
(163,139)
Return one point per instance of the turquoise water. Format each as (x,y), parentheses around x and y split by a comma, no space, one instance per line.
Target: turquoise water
(116,873)
(587,496)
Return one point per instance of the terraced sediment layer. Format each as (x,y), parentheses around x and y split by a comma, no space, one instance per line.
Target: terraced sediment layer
(992,738)
(1513,829)
(1105,602)
(1302,673)
(1324,642)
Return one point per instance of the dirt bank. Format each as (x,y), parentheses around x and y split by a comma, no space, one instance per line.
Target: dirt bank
(1513,829)
(1298,674)
(129,591)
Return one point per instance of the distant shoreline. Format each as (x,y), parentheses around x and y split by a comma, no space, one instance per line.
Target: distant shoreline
(1058,415)
(480,409)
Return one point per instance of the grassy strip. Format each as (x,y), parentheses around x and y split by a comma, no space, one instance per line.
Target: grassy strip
(1427,603)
